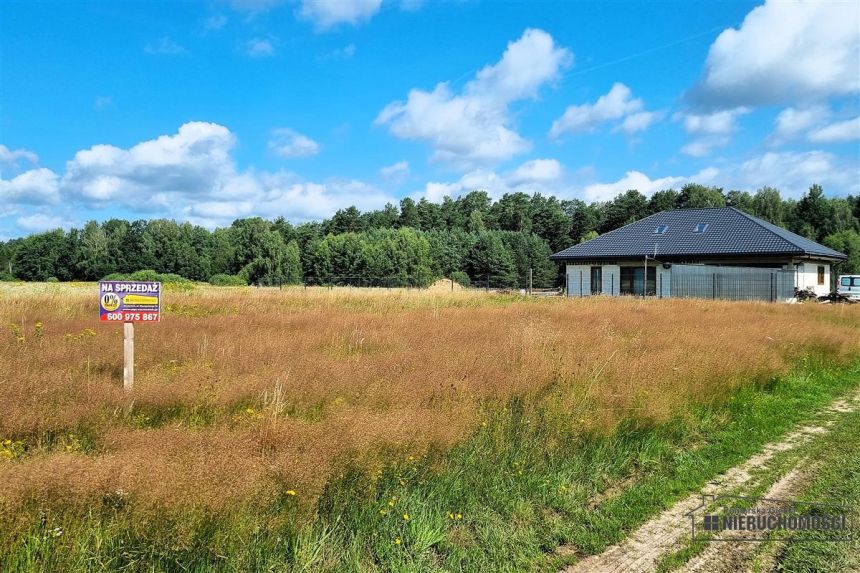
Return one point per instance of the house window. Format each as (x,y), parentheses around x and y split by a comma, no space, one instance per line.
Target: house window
(632,280)
(596,280)
(821,274)
(701,228)
(661,229)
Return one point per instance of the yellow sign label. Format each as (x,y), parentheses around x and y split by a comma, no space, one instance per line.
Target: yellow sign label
(110,301)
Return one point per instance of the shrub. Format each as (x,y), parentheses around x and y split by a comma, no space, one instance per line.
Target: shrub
(52,280)
(7,277)
(173,281)
(147,275)
(227,280)
(461,278)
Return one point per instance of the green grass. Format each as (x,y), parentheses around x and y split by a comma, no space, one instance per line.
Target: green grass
(503,500)
(837,481)
(820,451)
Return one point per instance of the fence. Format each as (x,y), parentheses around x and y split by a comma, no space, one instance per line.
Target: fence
(732,283)
(681,281)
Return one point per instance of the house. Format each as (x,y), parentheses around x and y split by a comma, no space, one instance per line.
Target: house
(703,253)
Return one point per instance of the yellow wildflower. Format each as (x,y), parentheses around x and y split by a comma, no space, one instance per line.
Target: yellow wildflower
(406,517)
(397,541)
(291,492)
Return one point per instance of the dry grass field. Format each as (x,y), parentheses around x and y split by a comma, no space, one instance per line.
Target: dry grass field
(245,395)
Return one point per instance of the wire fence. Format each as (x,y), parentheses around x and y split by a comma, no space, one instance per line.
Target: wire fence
(682,281)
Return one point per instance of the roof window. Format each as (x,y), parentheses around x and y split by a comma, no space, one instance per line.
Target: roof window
(661,229)
(701,228)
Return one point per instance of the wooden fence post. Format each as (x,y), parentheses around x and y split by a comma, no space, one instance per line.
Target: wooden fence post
(128,356)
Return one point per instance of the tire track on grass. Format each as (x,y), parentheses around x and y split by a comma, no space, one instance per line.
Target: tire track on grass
(665,533)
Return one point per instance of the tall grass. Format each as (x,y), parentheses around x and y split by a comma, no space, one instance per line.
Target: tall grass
(248,400)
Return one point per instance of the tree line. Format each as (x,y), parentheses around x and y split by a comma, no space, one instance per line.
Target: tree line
(468,239)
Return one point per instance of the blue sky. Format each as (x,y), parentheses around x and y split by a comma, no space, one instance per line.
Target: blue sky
(209,111)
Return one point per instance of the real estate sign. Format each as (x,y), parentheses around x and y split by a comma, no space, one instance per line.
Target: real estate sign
(129,301)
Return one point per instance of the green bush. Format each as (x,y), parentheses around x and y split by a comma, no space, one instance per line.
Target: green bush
(227,280)
(52,280)
(7,277)
(151,275)
(461,278)
(146,275)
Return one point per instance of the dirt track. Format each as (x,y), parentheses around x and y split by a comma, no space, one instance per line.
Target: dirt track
(669,531)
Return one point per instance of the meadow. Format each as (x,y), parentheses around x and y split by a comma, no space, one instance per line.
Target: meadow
(317,429)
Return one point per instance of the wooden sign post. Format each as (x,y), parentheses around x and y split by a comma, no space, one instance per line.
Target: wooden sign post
(129,302)
(128,356)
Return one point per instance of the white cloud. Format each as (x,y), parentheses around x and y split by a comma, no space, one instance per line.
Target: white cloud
(793,172)
(259,48)
(718,123)
(288,143)
(190,175)
(703,147)
(784,51)
(314,201)
(33,187)
(712,130)
(811,124)
(396,173)
(11,157)
(474,126)
(631,180)
(537,170)
(195,160)
(793,122)
(838,132)
(535,176)
(38,222)
(326,14)
(618,103)
(639,121)
(164,46)
(790,172)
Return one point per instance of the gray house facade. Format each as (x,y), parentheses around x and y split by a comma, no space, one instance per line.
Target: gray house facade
(720,253)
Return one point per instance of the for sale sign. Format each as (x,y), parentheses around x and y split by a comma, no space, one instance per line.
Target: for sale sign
(129,301)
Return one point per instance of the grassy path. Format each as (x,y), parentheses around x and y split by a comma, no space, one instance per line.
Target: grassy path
(780,470)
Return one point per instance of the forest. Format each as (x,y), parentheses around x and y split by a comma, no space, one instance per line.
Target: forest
(471,239)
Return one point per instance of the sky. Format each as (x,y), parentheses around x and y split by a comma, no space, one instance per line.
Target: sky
(211,111)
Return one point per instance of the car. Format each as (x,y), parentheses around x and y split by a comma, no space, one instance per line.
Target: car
(849,286)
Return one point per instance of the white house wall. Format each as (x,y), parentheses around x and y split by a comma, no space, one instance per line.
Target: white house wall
(807,277)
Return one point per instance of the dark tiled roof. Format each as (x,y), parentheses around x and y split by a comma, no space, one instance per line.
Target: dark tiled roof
(729,232)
